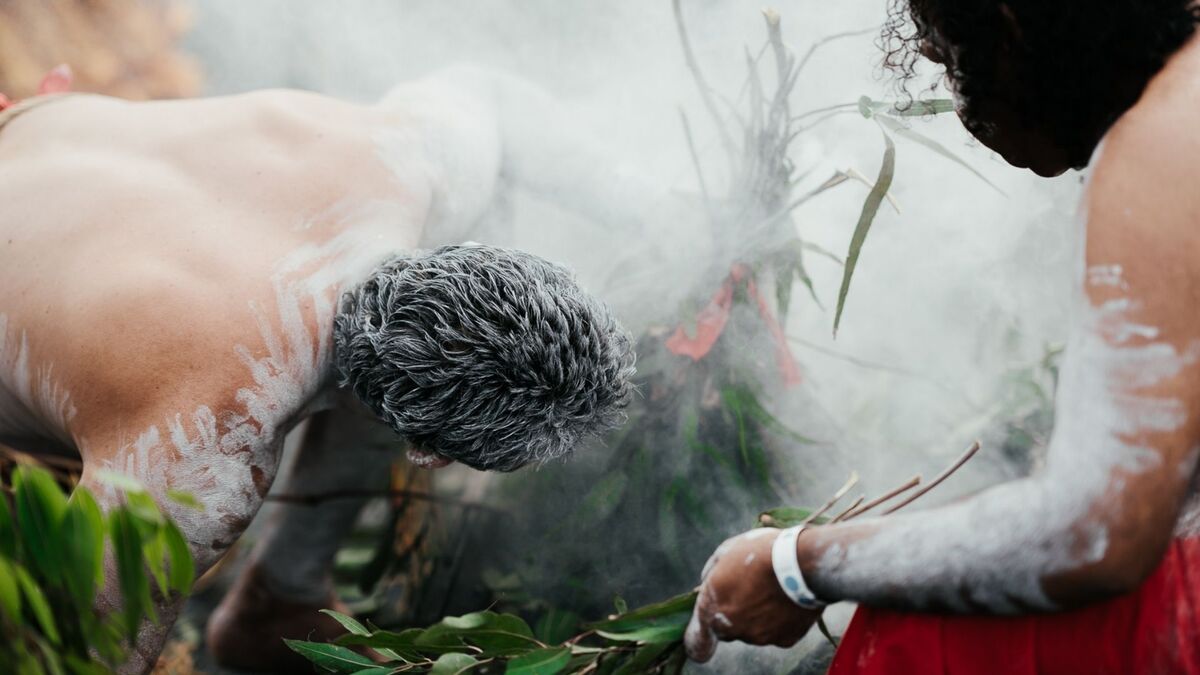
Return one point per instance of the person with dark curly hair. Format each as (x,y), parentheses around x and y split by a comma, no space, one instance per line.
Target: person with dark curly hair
(1090,564)
(185,282)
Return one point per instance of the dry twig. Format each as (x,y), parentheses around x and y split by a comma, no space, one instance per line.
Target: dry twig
(936,481)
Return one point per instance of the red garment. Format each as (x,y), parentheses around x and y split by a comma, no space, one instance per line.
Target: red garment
(1155,630)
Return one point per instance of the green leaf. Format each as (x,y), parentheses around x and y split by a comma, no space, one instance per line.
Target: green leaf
(41,506)
(643,659)
(331,657)
(887,172)
(8,532)
(540,662)
(663,633)
(83,548)
(502,635)
(349,623)
(453,664)
(135,587)
(37,603)
(10,597)
(153,552)
(185,499)
(377,670)
(921,139)
(182,566)
(144,509)
(556,625)
(649,615)
(785,517)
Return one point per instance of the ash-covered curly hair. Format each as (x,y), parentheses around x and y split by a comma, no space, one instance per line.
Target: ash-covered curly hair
(1080,64)
(491,357)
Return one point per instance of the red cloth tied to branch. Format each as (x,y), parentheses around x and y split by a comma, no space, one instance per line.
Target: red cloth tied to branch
(711,322)
(1153,630)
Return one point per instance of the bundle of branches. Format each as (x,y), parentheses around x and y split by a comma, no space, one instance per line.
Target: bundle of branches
(645,640)
(705,447)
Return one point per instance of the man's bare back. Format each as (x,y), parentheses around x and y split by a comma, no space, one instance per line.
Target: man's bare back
(172,269)
(174,272)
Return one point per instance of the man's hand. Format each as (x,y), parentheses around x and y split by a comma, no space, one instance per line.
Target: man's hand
(740,599)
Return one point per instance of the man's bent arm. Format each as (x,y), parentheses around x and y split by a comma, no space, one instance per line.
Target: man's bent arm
(1096,520)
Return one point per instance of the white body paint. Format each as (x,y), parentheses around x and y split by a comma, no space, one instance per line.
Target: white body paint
(227,458)
(32,403)
(994,550)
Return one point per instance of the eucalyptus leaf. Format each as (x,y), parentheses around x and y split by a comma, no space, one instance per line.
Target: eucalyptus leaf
(662,633)
(643,658)
(665,611)
(453,664)
(331,657)
(870,209)
(349,623)
(540,662)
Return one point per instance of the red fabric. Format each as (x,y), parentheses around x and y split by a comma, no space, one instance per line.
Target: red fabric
(711,321)
(1155,630)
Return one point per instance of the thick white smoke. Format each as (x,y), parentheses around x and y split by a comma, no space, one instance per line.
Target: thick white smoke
(956,292)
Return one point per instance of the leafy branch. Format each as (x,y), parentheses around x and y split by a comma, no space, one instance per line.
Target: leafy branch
(645,640)
(52,566)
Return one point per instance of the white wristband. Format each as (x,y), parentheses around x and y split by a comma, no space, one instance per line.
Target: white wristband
(787,569)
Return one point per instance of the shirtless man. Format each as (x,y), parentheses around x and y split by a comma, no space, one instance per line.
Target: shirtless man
(183,282)
(1096,554)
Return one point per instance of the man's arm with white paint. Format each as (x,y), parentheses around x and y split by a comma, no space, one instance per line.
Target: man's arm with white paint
(1097,519)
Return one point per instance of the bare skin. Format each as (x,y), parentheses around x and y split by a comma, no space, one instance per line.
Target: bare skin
(1121,467)
(171,271)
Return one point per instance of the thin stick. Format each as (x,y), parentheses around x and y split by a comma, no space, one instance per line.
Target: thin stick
(687,132)
(941,477)
(842,516)
(912,483)
(850,482)
(706,92)
(826,40)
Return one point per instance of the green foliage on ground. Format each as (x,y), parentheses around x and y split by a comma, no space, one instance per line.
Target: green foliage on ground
(52,550)
(646,640)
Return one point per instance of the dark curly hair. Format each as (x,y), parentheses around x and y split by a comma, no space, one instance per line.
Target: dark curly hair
(1080,64)
(491,357)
